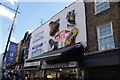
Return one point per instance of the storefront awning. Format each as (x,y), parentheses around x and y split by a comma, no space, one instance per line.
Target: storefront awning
(55,53)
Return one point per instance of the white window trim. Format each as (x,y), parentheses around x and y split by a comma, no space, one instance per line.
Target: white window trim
(95,5)
(98,34)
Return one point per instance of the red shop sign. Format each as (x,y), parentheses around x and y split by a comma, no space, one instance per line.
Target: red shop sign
(62,35)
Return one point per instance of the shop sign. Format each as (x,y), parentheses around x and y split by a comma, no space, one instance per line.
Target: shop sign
(38,36)
(60,65)
(62,35)
(37,50)
(35,63)
(73,64)
(37,46)
(18,51)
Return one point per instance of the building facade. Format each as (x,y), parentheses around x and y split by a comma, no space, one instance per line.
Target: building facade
(54,53)
(21,55)
(103,29)
(56,47)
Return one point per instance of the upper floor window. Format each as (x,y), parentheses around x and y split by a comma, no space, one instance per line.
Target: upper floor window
(105,37)
(101,5)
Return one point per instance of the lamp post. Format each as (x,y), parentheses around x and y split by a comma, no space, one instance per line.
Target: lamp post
(5,52)
(9,8)
(10,33)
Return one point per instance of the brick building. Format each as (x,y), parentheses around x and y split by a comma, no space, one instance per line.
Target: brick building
(103,34)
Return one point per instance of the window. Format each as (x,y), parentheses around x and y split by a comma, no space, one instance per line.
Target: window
(105,37)
(101,5)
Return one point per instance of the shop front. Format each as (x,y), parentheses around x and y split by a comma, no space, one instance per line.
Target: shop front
(34,74)
(31,73)
(31,70)
(64,63)
(62,71)
(70,74)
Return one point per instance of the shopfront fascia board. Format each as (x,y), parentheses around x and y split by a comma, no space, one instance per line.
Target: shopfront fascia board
(104,58)
(32,64)
(71,64)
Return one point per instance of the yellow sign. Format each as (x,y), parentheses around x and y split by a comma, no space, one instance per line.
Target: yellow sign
(50,76)
(18,51)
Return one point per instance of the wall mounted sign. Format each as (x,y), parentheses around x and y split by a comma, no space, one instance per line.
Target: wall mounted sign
(37,50)
(71,37)
(62,35)
(38,36)
(71,18)
(18,51)
(60,65)
(54,27)
(35,63)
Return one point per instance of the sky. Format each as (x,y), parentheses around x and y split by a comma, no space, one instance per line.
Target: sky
(32,12)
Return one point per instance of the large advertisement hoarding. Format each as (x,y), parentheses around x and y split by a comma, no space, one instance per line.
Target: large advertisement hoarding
(65,28)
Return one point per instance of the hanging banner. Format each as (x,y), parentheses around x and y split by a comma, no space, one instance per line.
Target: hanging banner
(17,52)
(11,52)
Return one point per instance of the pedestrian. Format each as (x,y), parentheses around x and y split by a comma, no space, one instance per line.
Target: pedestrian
(4,76)
(14,77)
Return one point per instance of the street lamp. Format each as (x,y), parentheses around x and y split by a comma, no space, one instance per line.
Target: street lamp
(9,8)
(16,11)
(10,32)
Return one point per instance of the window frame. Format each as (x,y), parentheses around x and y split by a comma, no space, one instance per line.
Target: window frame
(98,35)
(95,6)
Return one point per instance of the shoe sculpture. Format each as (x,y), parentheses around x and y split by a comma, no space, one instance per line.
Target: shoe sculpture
(53,44)
(54,27)
(71,37)
(71,18)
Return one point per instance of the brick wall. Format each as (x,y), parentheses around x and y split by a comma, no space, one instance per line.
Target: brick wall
(94,21)
(119,25)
